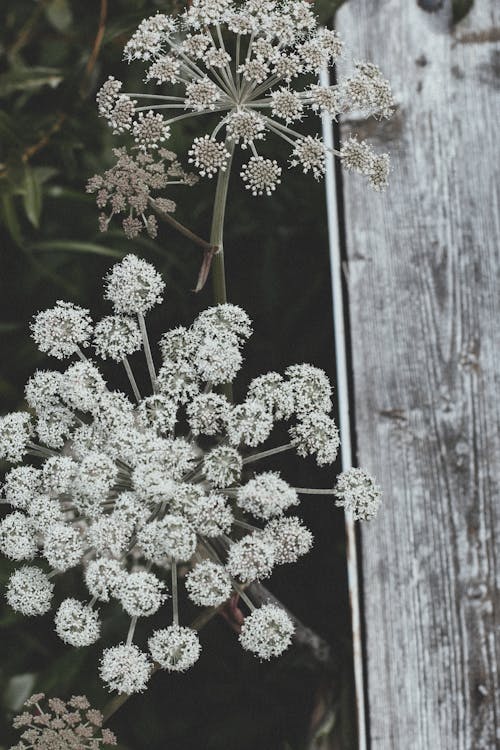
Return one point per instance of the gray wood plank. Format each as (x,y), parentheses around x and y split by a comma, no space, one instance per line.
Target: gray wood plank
(424,301)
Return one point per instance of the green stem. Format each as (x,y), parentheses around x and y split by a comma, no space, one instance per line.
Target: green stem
(175,599)
(217,230)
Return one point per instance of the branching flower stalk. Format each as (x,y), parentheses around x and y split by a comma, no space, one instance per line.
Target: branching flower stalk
(128,492)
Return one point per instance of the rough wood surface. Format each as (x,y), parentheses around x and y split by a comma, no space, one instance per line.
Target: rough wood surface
(424,290)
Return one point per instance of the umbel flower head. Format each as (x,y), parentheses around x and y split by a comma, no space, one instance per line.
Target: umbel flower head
(61,725)
(125,487)
(254,68)
(129,189)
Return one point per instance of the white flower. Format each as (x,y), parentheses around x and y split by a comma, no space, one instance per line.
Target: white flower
(58,474)
(210,516)
(217,361)
(286,104)
(82,386)
(208,155)
(77,623)
(222,466)
(54,426)
(178,381)
(61,330)
(276,394)
(179,538)
(43,390)
(43,512)
(261,175)
(266,495)
(152,481)
(311,389)
(150,130)
(267,631)
(141,593)
(249,423)
(29,591)
(96,475)
(134,286)
(224,321)
(251,558)
(117,337)
(369,90)
(63,547)
(201,94)
(172,537)
(103,578)
(21,485)
(17,537)
(309,153)
(316,434)
(147,42)
(289,537)
(107,95)
(158,411)
(378,176)
(357,156)
(125,669)
(245,126)
(127,490)
(178,345)
(110,533)
(249,67)
(165,69)
(15,433)
(325,99)
(175,648)
(358,493)
(207,413)
(208,584)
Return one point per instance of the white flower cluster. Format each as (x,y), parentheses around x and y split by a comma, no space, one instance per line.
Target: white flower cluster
(356,491)
(256,65)
(126,490)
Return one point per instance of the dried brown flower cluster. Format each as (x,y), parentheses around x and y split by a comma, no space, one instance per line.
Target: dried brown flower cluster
(61,725)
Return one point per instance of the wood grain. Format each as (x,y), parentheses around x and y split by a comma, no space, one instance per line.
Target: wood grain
(424,301)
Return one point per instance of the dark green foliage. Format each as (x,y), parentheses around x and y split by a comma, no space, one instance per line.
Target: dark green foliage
(277,267)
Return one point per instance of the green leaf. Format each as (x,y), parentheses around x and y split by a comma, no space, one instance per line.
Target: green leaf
(44,174)
(59,14)
(10,218)
(73,246)
(32,197)
(60,191)
(19,688)
(24,79)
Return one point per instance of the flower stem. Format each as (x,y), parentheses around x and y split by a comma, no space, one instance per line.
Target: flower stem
(131,630)
(265,454)
(217,230)
(133,383)
(180,227)
(241,593)
(147,351)
(313,491)
(175,597)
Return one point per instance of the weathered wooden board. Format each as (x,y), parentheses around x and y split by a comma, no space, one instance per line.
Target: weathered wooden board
(424,291)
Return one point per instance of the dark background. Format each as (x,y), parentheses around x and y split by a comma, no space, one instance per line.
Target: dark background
(278,271)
